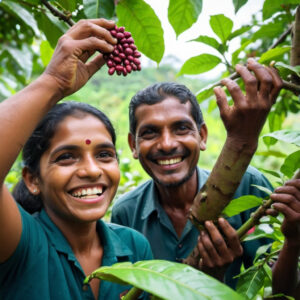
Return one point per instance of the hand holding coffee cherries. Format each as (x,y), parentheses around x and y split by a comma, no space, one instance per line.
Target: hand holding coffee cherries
(124,58)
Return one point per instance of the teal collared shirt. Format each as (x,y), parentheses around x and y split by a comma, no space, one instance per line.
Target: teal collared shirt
(44,266)
(140,209)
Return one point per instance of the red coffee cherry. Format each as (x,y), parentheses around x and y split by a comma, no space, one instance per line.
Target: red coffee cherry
(124,58)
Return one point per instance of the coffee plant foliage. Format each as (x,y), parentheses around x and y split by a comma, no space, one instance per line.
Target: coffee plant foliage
(29,30)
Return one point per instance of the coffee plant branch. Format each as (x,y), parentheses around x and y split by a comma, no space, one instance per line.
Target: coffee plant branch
(62,16)
(222,182)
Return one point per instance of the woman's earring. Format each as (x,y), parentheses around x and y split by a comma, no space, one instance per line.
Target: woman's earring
(35,191)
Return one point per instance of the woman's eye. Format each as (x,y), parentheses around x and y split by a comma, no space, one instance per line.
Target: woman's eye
(65,157)
(106,155)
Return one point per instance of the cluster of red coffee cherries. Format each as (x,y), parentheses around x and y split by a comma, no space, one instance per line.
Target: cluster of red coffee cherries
(124,58)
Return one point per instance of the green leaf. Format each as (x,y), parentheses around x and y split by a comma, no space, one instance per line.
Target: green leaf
(51,28)
(287,136)
(23,58)
(139,18)
(23,14)
(221,26)
(292,69)
(69,5)
(263,189)
(182,14)
(238,4)
(167,280)
(273,54)
(45,52)
(270,30)
(199,64)
(98,8)
(273,6)
(273,173)
(240,204)
(210,41)
(271,153)
(291,164)
(251,282)
(239,31)
(205,93)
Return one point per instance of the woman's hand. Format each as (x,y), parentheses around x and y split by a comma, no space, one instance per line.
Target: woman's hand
(69,67)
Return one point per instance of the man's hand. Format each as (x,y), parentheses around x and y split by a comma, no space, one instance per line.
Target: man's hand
(245,119)
(216,251)
(287,201)
(69,68)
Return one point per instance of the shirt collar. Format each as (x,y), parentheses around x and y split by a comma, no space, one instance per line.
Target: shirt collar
(113,246)
(151,197)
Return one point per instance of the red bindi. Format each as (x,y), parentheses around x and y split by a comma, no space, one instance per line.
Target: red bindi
(87,141)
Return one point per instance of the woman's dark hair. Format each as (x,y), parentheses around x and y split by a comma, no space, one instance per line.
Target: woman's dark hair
(157,93)
(40,140)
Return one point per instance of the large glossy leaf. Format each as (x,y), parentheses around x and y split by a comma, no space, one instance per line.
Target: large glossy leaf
(139,18)
(251,282)
(288,136)
(238,4)
(291,164)
(98,8)
(183,14)
(273,54)
(166,280)
(199,64)
(221,26)
(21,13)
(240,204)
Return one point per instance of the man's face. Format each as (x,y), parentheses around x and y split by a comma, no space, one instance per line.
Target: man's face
(167,141)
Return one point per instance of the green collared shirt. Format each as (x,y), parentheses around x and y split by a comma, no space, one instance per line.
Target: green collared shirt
(44,266)
(140,209)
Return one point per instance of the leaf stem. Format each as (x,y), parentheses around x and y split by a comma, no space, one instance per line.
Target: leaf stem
(133,294)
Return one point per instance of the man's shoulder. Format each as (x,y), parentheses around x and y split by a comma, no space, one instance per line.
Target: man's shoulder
(253,174)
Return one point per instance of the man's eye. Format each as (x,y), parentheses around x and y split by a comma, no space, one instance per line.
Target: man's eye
(147,134)
(182,129)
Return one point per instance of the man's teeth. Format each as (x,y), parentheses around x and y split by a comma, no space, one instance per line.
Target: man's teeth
(169,161)
(88,193)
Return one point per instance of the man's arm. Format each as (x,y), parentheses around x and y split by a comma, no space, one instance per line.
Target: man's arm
(285,270)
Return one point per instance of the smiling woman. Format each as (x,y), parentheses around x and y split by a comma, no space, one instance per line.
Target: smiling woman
(51,224)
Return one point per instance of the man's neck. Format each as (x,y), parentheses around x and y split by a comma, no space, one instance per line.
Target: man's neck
(180,196)
(177,201)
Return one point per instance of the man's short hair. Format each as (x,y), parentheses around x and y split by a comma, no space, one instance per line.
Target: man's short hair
(160,91)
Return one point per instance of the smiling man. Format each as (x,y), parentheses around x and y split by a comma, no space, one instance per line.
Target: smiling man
(167,133)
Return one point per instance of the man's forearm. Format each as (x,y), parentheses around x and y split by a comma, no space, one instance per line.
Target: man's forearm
(285,271)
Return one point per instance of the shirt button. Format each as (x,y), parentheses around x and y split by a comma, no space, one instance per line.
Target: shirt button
(85,287)
(179,246)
